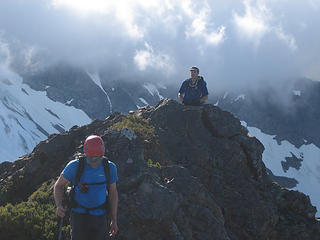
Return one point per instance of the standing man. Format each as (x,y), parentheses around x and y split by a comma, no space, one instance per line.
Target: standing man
(91,192)
(193,91)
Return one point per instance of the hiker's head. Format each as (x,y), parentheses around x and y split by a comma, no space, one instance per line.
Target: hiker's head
(194,71)
(93,146)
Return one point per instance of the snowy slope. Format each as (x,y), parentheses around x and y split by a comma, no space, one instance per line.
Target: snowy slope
(153,90)
(28,116)
(306,172)
(95,77)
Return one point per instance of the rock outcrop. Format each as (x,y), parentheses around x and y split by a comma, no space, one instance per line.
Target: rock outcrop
(184,173)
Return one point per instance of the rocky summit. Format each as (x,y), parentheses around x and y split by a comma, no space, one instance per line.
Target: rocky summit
(185,172)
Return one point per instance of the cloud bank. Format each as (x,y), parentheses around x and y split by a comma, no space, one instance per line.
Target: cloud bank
(235,43)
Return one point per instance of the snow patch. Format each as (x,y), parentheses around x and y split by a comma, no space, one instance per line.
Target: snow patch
(70,101)
(144,101)
(242,96)
(152,90)
(308,175)
(225,95)
(27,119)
(96,79)
(297,92)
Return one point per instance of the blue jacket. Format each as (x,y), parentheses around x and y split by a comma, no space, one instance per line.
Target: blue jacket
(97,193)
(193,92)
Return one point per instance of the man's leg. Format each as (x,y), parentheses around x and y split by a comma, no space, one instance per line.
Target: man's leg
(98,227)
(79,228)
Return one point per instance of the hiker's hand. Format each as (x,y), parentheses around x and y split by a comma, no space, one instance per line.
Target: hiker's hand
(61,211)
(113,228)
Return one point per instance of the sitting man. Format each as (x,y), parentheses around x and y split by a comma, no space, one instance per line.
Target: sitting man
(194,90)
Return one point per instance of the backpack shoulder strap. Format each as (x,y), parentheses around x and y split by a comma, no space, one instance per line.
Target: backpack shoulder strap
(199,84)
(79,170)
(200,81)
(106,167)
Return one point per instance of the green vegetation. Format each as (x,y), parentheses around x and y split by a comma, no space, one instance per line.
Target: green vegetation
(145,131)
(139,125)
(151,163)
(28,221)
(32,220)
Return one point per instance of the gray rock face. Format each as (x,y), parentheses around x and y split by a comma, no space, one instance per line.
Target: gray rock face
(197,175)
(74,86)
(292,161)
(71,86)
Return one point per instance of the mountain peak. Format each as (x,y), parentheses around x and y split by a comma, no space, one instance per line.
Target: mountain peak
(185,172)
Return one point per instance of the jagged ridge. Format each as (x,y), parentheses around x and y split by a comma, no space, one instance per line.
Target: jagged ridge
(212,182)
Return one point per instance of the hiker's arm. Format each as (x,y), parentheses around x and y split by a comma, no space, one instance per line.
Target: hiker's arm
(58,195)
(114,208)
(182,91)
(204,98)
(180,97)
(113,201)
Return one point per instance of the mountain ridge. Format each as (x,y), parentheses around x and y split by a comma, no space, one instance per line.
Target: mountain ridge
(197,163)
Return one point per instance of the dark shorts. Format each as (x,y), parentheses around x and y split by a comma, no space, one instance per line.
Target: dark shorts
(88,227)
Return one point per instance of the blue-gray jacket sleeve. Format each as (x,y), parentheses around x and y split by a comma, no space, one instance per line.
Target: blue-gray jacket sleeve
(183,88)
(204,89)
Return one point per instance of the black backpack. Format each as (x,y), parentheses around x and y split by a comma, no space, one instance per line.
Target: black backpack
(72,203)
(200,81)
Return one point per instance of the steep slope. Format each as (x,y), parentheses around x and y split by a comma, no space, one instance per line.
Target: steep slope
(98,94)
(28,116)
(184,173)
(292,167)
(285,120)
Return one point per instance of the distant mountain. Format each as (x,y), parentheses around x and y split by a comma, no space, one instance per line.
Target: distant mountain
(290,110)
(28,116)
(95,93)
(35,105)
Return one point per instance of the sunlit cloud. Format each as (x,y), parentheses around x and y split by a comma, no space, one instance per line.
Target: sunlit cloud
(315,4)
(288,39)
(121,10)
(85,6)
(147,58)
(254,24)
(200,21)
(259,21)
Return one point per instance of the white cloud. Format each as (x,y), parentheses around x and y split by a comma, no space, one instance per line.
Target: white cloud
(5,55)
(254,24)
(200,22)
(255,38)
(147,58)
(315,4)
(288,39)
(121,10)
(259,21)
